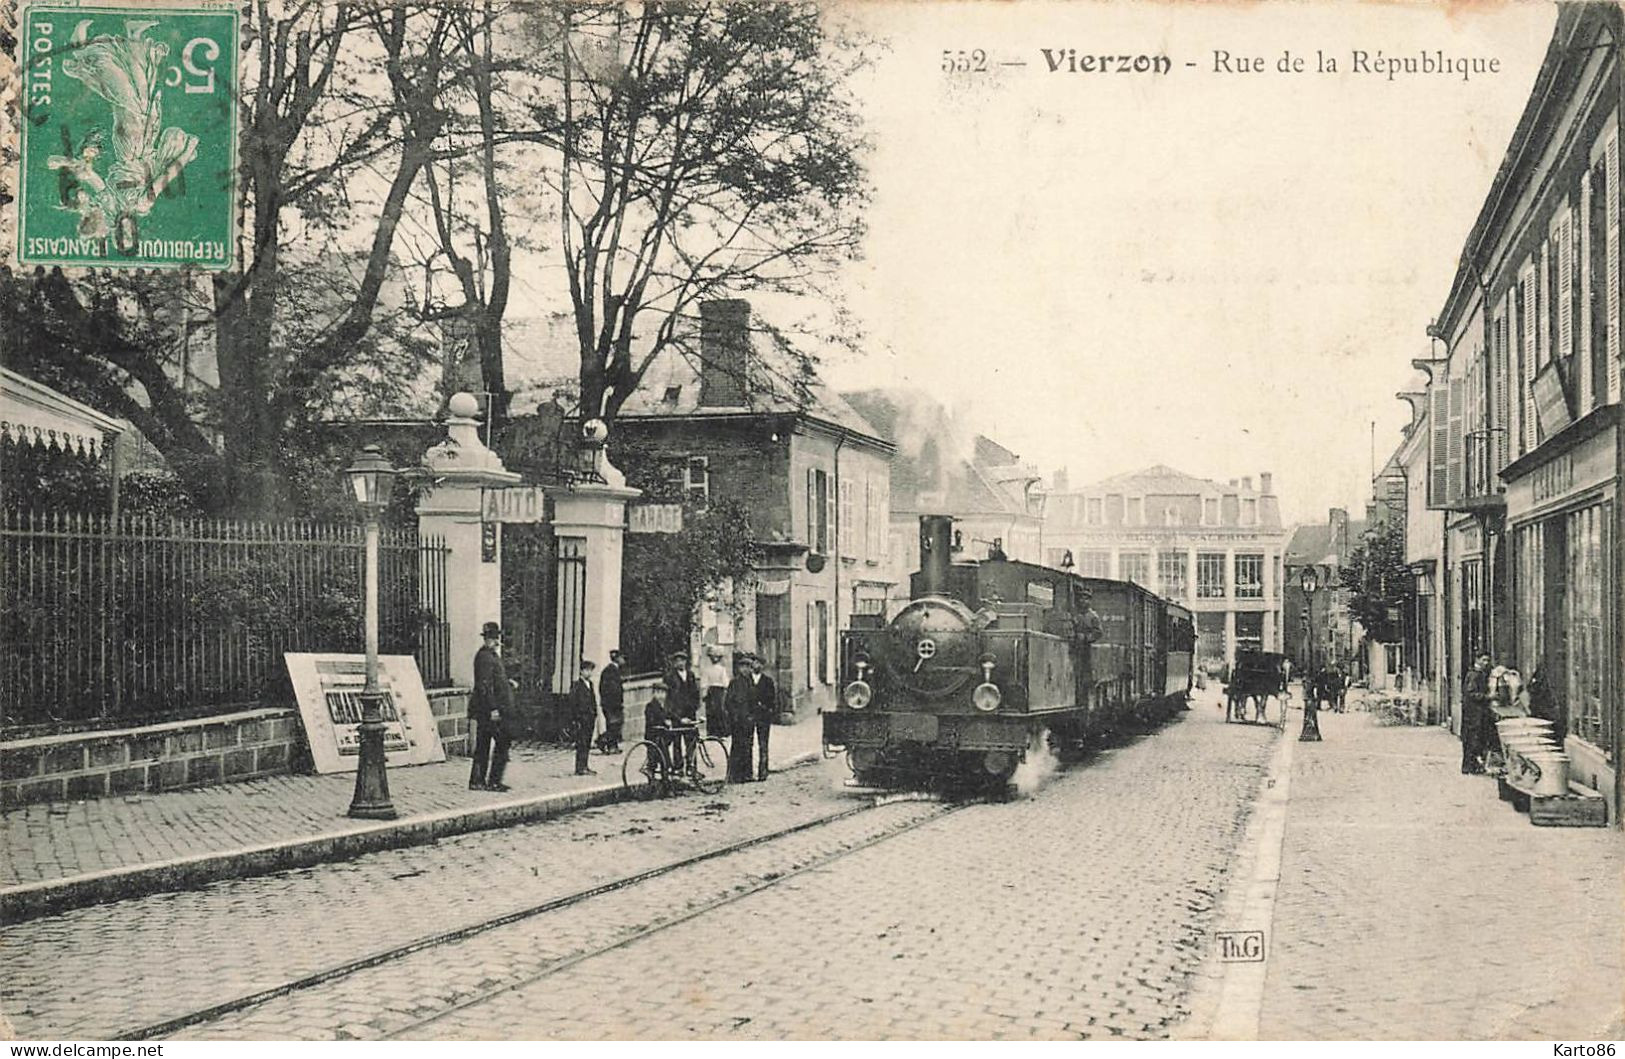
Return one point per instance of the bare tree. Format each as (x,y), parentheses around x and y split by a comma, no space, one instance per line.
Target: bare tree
(705,149)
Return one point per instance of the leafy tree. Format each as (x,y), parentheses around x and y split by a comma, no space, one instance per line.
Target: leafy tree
(1381,586)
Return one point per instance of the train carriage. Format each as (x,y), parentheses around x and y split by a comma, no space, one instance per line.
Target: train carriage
(990,657)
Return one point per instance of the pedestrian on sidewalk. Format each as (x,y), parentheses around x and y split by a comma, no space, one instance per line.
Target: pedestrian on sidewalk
(490,706)
(738,702)
(714,688)
(612,699)
(682,706)
(583,708)
(764,711)
(1475,715)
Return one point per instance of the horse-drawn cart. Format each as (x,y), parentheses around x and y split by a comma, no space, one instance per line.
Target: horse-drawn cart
(1258,676)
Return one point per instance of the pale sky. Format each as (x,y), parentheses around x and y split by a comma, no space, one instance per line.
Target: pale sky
(1227,273)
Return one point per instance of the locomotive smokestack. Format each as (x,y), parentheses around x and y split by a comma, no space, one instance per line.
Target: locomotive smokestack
(936,548)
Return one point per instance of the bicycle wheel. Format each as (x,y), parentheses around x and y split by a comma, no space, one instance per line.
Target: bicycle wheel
(710,765)
(643,771)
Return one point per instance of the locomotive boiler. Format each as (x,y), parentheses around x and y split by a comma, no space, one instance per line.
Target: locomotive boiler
(990,660)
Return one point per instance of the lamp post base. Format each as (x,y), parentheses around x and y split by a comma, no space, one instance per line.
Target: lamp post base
(371,801)
(1311,724)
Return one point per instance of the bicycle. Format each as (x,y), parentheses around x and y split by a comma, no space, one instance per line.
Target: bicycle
(647,770)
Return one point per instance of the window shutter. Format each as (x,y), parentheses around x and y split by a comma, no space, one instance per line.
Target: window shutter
(1439,440)
(1458,415)
(1530,314)
(812,642)
(1563,341)
(812,511)
(829,513)
(1616,365)
(1582,294)
(1503,406)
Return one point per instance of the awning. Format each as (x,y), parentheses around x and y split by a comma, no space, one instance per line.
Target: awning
(32,413)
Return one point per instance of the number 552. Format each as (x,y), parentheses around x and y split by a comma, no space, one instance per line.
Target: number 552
(964,62)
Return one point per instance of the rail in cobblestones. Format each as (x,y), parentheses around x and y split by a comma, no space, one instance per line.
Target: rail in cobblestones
(215,1011)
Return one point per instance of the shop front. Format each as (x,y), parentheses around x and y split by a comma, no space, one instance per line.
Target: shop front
(1563,515)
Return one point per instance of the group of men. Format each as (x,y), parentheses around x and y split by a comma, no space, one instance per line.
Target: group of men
(742,710)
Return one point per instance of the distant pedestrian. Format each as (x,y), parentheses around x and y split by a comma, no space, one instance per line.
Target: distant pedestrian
(583,708)
(682,706)
(714,688)
(490,707)
(764,711)
(739,702)
(611,698)
(1475,715)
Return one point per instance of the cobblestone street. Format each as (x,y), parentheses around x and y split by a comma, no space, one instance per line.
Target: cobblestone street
(1079,912)
(1410,903)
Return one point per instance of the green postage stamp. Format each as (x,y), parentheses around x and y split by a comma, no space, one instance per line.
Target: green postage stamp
(129,136)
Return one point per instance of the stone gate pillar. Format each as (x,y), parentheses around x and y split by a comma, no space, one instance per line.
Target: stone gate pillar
(463,469)
(595,513)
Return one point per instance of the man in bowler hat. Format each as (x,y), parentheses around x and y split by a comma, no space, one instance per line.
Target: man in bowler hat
(489,707)
(583,707)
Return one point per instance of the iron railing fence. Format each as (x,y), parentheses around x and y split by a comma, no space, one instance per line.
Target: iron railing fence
(148,619)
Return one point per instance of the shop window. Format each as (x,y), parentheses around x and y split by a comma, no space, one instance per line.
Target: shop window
(1095,564)
(1585,620)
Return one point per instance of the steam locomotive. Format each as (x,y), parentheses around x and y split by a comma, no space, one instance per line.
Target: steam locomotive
(990,659)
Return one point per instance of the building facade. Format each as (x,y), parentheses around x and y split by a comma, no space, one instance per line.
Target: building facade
(1424,660)
(1526,443)
(814,476)
(1319,629)
(1218,549)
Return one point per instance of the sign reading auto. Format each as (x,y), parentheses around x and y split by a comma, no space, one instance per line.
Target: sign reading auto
(521,504)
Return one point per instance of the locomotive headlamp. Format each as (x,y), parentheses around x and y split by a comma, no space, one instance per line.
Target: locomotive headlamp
(986,697)
(858,693)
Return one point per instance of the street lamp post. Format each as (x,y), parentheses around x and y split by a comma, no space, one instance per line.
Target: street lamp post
(1309,581)
(372,479)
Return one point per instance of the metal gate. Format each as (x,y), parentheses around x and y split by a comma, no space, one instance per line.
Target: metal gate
(570,612)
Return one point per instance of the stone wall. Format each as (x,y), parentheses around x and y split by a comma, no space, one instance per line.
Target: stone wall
(157,757)
(196,753)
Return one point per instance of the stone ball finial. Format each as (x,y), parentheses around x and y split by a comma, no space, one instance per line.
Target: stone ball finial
(594,432)
(463,405)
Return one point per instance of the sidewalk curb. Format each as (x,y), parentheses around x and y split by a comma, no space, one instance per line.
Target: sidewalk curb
(33,900)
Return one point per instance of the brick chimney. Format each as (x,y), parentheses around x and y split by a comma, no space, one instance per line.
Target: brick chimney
(1247,484)
(724,352)
(1266,483)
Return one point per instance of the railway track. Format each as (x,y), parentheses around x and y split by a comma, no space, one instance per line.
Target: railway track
(210,1013)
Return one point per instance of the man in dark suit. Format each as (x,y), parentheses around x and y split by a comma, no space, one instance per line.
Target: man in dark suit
(612,699)
(682,705)
(489,707)
(583,710)
(739,703)
(764,711)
